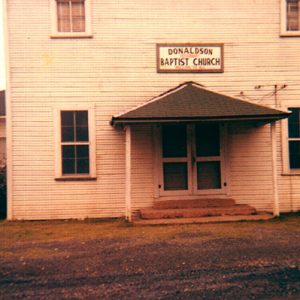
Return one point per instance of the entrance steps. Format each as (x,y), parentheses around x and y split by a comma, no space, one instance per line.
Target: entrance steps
(198,211)
(195,203)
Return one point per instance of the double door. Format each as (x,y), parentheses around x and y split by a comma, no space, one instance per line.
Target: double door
(192,159)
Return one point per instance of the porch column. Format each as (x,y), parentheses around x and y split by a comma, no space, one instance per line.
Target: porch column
(128,173)
(274,167)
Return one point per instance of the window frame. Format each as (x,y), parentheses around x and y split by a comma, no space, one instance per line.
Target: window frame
(91,143)
(54,26)
(283,27)
(285,146)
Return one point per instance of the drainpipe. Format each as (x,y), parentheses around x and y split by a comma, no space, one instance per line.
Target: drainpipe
(128,213)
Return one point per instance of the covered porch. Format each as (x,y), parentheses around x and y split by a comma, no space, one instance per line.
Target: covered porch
(193,153)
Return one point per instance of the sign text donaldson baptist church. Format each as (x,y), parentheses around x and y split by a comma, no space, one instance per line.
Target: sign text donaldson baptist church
(173,58)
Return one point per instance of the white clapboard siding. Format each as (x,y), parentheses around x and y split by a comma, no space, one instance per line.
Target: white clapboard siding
(250,160)
(116,70)
(142,166)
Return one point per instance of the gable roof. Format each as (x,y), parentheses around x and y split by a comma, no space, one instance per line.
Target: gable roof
(2,103)
(191,101)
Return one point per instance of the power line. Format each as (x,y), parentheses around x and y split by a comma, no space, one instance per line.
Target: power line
(276,87)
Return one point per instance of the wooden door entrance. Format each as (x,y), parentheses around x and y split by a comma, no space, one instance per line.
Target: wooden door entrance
(191,159)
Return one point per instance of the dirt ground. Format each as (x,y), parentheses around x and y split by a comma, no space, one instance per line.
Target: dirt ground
(113,260)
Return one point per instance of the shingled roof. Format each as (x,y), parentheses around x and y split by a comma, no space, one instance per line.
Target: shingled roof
(191,101)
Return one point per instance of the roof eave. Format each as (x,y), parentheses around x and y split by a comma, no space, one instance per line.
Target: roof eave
(266,118)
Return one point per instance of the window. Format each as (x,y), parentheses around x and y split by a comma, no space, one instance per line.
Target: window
(290,17)
(71,18)
(75,150)
(75,142)
(294,138)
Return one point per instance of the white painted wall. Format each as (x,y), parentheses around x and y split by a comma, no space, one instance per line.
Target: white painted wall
(115,70)
(2,61)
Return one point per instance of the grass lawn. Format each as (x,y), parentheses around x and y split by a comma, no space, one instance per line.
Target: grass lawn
(112,259)
(17,233)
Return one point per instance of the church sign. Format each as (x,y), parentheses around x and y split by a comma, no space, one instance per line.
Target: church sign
(190,58)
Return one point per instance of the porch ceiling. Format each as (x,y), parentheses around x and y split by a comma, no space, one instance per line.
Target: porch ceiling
(190,102)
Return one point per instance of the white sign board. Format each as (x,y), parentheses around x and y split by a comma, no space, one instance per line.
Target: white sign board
(190,58)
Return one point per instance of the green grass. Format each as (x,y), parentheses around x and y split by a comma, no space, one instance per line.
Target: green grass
(26,233)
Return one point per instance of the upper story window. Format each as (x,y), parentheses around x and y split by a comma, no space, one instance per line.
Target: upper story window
(290,22)
(293,15)
(71,18)
(70,15)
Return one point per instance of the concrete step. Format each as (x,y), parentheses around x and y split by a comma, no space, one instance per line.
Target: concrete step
(240,209)
(204,220)
(209,202)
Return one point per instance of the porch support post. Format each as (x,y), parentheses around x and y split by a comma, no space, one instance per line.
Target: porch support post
(276,211)
(128,173)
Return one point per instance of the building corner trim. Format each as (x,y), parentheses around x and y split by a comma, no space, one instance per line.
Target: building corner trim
(8,115)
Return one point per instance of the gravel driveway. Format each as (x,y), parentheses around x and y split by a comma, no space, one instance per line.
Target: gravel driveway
(214,261)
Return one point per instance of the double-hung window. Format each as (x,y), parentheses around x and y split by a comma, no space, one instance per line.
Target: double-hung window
(71,18)
(290,10)
(75,142)
(294,139)
(75,149)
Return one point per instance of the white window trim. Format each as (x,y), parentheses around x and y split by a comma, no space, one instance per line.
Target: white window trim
(92,143)
(283,16)
(285,147)
(88,23)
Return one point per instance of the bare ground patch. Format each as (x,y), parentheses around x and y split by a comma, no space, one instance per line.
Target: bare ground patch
(113,260)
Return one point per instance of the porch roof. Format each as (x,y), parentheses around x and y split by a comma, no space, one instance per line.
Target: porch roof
(191,101)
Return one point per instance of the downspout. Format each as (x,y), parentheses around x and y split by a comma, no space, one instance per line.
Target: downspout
(8,119)
(128,213)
